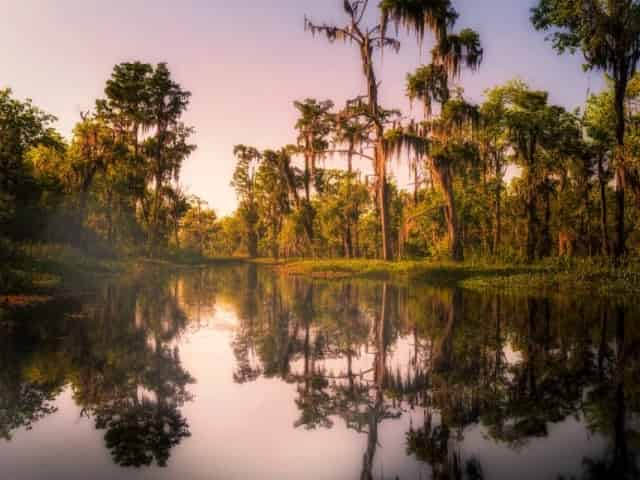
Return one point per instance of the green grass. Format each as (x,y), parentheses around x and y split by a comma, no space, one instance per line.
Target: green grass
(559,275)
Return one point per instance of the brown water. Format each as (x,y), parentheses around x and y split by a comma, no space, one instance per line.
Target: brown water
(237,373)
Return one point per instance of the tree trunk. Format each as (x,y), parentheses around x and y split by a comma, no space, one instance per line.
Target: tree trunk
(155,217)
(383,195)
(252,243)
(275,252)
(497,231)
(621,240)
(348,242)
(176,230)
(348,236)
(109,215)
(416,188)
(307,175)
(82,207)
(545,234)
(366,53)
(532,222)
(442,175)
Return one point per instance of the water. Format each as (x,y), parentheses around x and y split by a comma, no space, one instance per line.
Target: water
(237,373)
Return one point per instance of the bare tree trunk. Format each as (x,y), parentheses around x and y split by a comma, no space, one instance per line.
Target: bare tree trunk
(383,195)
(155,216)
(443,176)
(252,244)
(621,240)
(366,53)
(348,236)
(621,234)
(307,175)
(545,234)
(497,232)
(275,252)
(532,222)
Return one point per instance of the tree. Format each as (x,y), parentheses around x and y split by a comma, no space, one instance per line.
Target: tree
(274,184)
(352,133)
(339,207)
(199,227)
(446,143)
(244,182)
(92,149)
(447,139)
(168,146)
(493,148)
(22,126)
(313,126)
(539,134)
(127,101)
(608,34)
(414,16)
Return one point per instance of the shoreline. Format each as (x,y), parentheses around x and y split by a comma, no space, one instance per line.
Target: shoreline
(57,272)
(66,272)
(581,275)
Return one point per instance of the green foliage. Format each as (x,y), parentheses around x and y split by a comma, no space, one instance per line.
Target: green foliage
(199,228)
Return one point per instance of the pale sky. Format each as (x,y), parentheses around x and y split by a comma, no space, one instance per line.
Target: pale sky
(245,62)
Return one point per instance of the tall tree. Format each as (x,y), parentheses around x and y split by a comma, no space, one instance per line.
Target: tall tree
(168,146)
(608,34)
(493,147)
(92,149)
(313,126)
(444,140)
(244,182)
(353,134)
(447,144)
(415,16)
(528,120)
(275,185)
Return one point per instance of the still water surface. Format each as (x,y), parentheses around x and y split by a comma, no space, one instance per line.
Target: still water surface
(238,373)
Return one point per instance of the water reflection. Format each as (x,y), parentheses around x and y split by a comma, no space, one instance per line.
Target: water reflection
(115,353)
(468,376)
(514,365)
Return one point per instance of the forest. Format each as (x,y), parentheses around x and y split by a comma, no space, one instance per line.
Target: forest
(511,179)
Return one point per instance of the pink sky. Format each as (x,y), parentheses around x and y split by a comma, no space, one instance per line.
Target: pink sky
(245,61)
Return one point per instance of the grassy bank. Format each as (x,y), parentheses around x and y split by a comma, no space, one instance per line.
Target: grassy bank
(586,275)
(32,273)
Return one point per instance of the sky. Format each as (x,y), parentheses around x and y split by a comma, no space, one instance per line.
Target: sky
(245,62)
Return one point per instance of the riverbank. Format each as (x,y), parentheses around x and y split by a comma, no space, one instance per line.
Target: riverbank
(44,271)
(36,273)
(586,275)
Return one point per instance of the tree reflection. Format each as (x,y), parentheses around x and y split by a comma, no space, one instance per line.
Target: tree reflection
(364,352)
(116,354)
(357,354)
(32,371)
